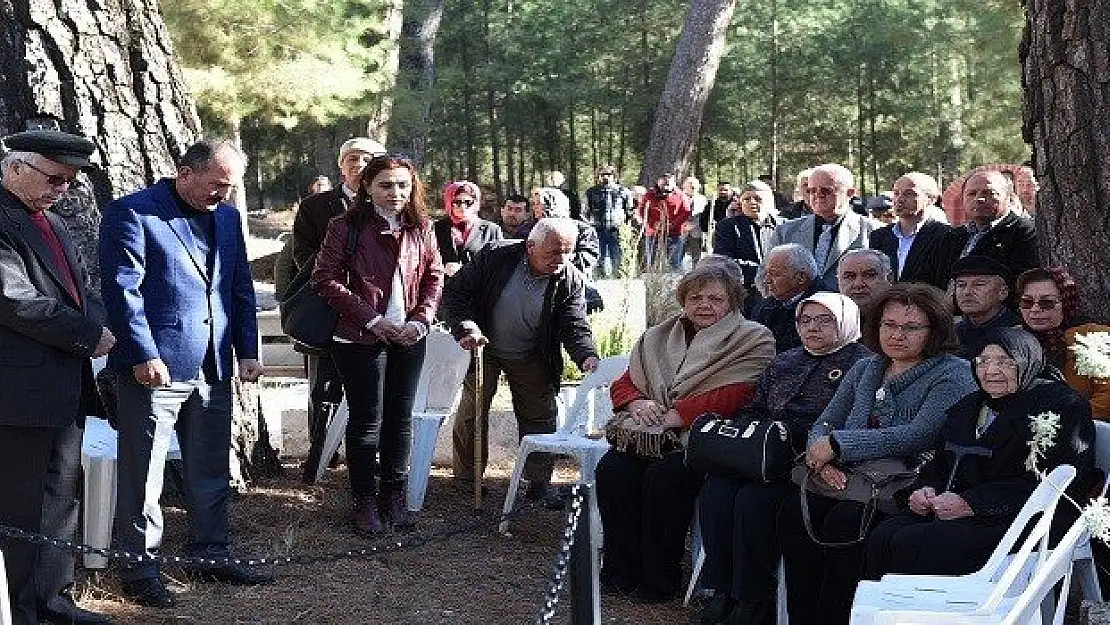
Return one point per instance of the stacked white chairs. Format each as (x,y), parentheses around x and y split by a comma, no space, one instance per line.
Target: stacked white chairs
(592,406)
(437,394)
(988,593)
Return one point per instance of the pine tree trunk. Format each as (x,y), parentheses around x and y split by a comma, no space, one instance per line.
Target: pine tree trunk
(104,69)
(416,77)
(1066,76)
(689,81)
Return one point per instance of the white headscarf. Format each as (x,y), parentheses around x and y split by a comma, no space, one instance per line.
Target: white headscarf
(847,319)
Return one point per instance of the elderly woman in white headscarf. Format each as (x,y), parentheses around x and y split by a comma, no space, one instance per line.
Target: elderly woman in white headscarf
(738,517)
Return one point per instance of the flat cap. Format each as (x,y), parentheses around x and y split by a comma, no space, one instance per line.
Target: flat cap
(362,144)
(981,266)
(60,147)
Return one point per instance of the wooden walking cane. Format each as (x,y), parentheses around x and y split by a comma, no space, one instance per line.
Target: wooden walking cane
(479,426)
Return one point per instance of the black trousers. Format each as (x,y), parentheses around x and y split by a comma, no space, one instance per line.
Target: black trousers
(61,508)
(913,544)
(325,394)
(380,395)
(646,506)
(821,581)
(738,528)
(24,460)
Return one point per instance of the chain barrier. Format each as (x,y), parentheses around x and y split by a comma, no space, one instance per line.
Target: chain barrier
(562,560)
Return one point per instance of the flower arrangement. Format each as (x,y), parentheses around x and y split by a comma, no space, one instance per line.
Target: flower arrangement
(1092,354)
(1096,513)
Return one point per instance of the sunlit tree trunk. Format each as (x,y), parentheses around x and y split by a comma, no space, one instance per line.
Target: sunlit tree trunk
(416,78)
(690,79)
(377,126)
(1066,75)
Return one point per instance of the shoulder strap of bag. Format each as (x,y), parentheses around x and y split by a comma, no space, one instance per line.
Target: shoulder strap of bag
(353,230)
(865,518)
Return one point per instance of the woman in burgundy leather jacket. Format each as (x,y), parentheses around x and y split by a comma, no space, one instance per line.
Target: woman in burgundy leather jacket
(386,292)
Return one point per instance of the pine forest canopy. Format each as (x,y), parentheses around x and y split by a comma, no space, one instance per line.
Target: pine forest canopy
(523,86)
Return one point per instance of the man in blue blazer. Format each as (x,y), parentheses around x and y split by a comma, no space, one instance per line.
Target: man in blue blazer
(833,228)
(179,297)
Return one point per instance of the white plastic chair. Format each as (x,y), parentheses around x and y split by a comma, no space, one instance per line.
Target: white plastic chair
(1002,576)
(572,438)
(1084,558)
(437,393)
(782,617)
(5,603)
(1026,609)
(99,449)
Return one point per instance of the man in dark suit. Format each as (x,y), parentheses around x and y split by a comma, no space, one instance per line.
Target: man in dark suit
(50,325)
(833,228)
(462,233)
(745,237)
(179,295)
(912,242)
(309,227)
(994,228)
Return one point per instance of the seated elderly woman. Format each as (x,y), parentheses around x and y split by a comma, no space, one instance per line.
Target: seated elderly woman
(705,358)
(891,405)
(975,485)
(1048,300)
(738,516)
(787,275)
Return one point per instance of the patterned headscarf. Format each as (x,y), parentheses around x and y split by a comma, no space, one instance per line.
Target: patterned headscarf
(460,186)
(847,319)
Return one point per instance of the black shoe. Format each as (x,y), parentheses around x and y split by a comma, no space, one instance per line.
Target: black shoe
(393,510)
(61,610)
(148,591)
(751,613)
(234,574)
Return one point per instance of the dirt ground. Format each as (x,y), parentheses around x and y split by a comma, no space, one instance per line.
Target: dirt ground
(477,577)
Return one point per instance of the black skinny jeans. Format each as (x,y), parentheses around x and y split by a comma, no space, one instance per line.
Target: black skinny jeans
(380,383)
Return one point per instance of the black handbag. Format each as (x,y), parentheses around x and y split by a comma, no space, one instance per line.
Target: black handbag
(306,317)
(758,450)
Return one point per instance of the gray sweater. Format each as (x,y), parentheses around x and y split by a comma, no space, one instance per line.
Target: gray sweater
(910,413)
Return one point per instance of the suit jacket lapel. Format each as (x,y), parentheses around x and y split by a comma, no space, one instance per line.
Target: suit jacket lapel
(179,224)
(921,244)
(71,257)
(845,235)
(227,230)
(34,239)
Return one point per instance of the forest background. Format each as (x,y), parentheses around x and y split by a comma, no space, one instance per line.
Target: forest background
(498,91)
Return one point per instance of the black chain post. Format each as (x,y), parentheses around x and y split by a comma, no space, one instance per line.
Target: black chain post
(585,596)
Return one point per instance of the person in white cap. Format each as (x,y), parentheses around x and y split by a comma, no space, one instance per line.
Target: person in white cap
(309,227)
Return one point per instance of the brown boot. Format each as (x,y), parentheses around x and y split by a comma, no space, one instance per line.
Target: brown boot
(391,506)
(366,519)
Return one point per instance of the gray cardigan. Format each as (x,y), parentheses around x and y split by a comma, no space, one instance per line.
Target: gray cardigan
(911,411)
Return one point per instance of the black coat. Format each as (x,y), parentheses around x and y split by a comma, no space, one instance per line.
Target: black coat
(996,487)
(734,238)
(482,233)
(1012,242)
(469,299)
(921,262)
(311,223)
(46,338)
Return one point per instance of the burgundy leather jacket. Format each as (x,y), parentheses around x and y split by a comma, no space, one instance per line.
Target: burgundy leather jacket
(359,287)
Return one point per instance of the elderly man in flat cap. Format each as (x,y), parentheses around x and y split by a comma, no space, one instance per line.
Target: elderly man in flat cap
(981,285)
(309,227)
(51,324)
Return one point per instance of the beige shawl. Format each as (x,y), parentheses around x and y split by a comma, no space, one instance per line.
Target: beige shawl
(733,350)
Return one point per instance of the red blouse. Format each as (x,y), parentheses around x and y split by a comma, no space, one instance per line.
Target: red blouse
(725,401)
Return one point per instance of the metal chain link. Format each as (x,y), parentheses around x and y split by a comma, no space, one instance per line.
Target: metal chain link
(562,560)
(381,548)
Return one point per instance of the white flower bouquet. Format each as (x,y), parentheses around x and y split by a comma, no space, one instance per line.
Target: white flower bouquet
(1092,354)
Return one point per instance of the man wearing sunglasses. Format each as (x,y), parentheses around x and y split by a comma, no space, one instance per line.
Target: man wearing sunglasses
(462,233)
(309,227)
(833,228)
(51,323)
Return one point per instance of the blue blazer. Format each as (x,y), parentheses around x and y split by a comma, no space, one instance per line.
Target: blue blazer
(160,299)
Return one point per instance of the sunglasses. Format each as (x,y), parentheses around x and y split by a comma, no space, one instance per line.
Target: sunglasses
(821,191)
(1044,303)
(463,202)
(54,180)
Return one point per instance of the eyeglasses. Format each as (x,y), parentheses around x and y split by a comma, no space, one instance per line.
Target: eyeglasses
(821,191)
(462,202)
(54,180)
(1044,303)
(821,321)
(906,328)
(1004,364)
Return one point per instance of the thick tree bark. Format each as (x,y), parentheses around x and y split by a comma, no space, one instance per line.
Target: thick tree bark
(416,77)
(693,71)
(104,69)
(377,126)
(1066,75)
